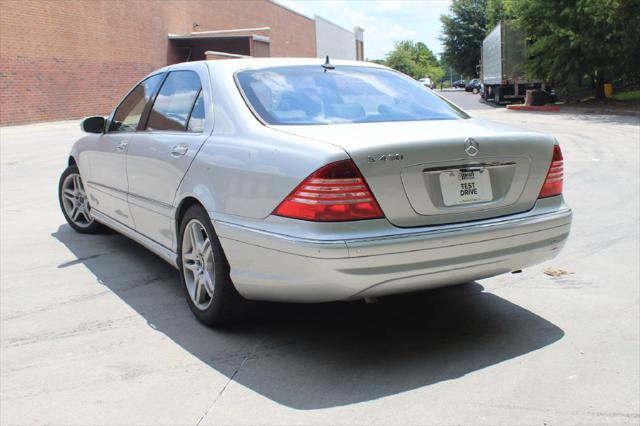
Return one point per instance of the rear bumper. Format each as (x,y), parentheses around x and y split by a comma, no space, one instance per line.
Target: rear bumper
(268,265)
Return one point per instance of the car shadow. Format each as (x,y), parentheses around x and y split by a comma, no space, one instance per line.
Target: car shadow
(313,356)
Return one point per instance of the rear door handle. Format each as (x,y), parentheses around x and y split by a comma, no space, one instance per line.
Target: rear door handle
(179,149)
(122,146)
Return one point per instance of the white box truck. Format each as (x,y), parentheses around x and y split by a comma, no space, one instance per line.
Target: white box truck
(502,71)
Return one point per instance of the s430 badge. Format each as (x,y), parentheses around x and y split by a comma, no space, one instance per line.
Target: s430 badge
(385,157)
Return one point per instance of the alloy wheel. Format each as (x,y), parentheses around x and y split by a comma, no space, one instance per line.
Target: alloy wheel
(197,264)
(75,201)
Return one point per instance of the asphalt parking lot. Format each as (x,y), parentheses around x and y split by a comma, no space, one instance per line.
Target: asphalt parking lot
(94,329)
(467,100)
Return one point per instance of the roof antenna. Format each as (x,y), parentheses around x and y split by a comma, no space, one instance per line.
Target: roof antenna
(328,65)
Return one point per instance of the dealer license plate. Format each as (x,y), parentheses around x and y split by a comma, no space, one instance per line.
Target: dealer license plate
(465,186)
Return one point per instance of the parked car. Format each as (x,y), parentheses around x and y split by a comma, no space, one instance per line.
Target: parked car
(428,82)
(473,86)
(459,84)
(290,180)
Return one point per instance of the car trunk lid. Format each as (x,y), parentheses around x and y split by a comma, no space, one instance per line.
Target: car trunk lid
(445,171)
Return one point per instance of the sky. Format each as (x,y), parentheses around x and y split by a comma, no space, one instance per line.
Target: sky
(384,21)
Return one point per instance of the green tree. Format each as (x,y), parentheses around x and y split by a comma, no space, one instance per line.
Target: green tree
(498,10)
(450,73)
(567,39)
(627,18)
(414,59)
(401,60)
(464,28)
(572,38)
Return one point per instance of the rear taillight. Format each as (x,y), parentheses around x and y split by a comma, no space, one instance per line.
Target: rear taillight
(336,192)
(553,183)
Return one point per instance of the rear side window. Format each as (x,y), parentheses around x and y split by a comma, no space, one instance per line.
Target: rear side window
(175,101)
(310,94)
(196,121)
(130,110)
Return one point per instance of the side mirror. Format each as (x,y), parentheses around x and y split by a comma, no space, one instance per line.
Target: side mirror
(95,124)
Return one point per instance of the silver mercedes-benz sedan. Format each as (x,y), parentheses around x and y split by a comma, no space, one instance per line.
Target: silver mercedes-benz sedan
(302,180)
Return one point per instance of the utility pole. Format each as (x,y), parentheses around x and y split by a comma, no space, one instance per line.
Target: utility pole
(451,75)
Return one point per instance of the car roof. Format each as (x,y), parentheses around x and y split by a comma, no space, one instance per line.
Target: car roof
(230,66)
(233,65)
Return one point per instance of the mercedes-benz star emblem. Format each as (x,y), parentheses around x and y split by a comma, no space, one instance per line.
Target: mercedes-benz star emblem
(471,147)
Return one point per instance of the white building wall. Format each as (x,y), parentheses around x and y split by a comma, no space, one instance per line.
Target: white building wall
(333,40)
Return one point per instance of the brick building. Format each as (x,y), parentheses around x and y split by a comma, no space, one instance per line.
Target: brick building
(64,59)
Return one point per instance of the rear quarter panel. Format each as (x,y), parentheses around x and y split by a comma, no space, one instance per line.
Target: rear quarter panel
(245,168)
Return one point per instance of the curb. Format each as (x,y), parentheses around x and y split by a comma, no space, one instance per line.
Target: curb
(575,110)
(522,107)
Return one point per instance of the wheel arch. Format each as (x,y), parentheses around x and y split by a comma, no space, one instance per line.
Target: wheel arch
(183,206)
(185,202)
(71,161)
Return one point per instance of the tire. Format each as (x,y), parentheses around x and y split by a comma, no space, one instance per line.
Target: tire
(204,272)
(488,92)
(74,203)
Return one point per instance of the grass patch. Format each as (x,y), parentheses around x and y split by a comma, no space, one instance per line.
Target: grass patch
(632,95)
(629,100)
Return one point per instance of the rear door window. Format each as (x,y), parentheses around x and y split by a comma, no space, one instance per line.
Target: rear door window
(128,114)
(196,121)
(175,102)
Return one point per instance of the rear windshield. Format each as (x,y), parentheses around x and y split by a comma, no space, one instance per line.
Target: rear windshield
(347,94)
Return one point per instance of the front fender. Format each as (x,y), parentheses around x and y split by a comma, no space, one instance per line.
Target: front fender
(80,154)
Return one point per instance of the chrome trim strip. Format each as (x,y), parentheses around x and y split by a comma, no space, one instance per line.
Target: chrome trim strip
(467,166)
(331,195)
(149,244)
(439,229)
(306,246)
(345,181)
(332,188)
(331,202)
(137,200)
(150,201)
(564,213)
(101,187)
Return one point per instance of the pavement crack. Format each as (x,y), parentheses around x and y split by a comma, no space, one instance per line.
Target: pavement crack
(251,353)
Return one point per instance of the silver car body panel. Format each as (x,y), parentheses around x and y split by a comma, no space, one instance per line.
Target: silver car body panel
(155,172)
(164,253)
(107,184)
(285,267)
(407,188)
(240,169)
